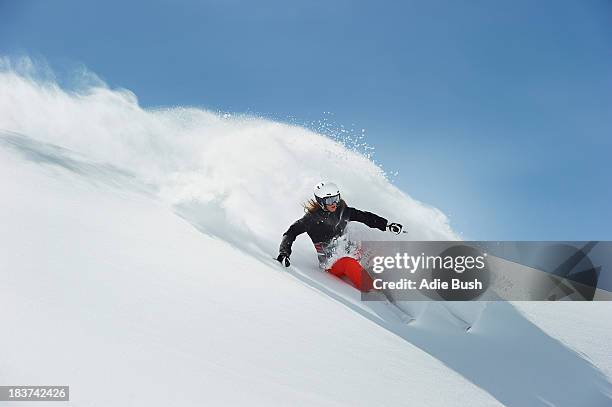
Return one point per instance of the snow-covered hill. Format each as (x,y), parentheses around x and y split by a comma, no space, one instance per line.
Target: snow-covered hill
(136,267)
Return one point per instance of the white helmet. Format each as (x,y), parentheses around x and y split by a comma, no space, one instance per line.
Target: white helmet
(326,193)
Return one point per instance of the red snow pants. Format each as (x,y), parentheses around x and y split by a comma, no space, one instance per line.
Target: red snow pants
(351,269)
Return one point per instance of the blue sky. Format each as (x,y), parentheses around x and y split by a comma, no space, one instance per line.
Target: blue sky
(499,113)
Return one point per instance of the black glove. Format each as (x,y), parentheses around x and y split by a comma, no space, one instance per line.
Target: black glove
(395,228)
(283,259)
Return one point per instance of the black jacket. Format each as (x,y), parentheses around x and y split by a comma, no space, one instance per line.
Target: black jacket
(322,226)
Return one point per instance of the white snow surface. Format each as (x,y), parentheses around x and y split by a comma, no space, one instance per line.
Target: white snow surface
(136,266)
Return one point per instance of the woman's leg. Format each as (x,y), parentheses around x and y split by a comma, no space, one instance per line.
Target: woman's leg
(349,267)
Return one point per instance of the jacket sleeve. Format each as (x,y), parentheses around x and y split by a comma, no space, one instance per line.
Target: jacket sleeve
(368,218)
(289,236)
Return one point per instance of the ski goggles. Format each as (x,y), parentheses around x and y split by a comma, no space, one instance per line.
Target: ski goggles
(330,200)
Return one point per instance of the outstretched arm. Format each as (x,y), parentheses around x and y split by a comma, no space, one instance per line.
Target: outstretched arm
(367,218)
(374,221)
(289,236)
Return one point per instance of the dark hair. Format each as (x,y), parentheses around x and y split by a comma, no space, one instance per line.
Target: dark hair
(311,206)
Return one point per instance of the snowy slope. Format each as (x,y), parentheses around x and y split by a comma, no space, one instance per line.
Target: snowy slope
(584,327)
(136,255)
(113,294)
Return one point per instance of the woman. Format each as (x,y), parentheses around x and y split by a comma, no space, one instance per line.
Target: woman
(325,221)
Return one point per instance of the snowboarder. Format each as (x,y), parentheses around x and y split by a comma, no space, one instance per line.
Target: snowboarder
(325,221)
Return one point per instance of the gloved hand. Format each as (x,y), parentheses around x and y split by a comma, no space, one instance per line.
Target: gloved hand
(394,228)
(283,259)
